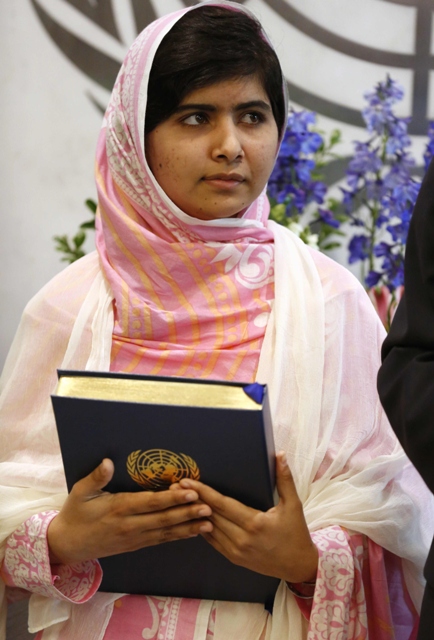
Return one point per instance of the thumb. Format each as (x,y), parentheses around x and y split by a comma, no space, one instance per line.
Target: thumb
(284,480)
(91,485)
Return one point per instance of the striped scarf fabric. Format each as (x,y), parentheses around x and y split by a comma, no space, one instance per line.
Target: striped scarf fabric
(191,297)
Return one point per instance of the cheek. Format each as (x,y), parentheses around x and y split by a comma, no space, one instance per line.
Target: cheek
(171,171)
(162,156)
(173,163)
(166,168)
(266,158)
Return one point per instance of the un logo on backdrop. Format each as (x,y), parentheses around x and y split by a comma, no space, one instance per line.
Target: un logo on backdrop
(84,29)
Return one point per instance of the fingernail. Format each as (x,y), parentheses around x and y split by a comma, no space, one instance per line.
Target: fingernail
(283,459)
(190,497)
(186,484)
(204,511)
(206,527)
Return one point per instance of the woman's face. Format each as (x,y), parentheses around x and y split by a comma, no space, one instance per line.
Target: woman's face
(214,155)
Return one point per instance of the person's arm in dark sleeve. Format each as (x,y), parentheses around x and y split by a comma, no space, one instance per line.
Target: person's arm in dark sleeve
(406,377)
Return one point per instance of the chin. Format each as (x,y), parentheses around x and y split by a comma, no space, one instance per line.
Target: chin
(207,216)
(219,215)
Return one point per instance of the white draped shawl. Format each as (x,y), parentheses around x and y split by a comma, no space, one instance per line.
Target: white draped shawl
(320,358)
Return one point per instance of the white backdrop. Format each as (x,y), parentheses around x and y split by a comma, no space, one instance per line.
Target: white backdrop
(49,125)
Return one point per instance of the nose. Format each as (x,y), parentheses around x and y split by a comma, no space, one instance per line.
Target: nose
(227,143)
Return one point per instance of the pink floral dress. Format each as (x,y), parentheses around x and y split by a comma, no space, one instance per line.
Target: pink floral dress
(349,600)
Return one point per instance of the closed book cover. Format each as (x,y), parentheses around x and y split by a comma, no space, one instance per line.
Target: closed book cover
(155,429)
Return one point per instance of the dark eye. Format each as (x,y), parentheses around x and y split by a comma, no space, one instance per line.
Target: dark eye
(252,117)
(195,119)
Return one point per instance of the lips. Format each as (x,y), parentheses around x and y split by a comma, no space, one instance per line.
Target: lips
(226,177)
(224,181)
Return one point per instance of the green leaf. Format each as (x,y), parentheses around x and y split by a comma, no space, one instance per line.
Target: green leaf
(335,137)
(62,243)
(91,204)
(278,214)
(63,246)
(330,246)
(71,248)
(90,224)
(79,239)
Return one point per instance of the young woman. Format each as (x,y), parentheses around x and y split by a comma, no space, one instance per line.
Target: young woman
(190,279)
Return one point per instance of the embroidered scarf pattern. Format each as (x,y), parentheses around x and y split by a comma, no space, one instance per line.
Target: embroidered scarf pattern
(192,297)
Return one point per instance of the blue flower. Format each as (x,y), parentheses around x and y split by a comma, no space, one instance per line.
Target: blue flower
(372,279)
(382,249)
(318,191)
(382,218)
(381,190)
(291,145)
(381,120)
(388,92)
(429,149)
(291,180)
(311,142)
(359,248)
(395,144)
(365,160)
(398,231)
(375,117)
(303,169)
(327,216)
(348,199)
(392,265)
(406,191)
(299,199)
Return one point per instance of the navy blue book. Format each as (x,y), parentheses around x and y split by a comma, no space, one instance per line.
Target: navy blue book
(158,430)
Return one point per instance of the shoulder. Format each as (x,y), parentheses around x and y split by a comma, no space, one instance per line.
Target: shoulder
(63,295)
(48,319)
(335,279)
(345,295)
(333,276)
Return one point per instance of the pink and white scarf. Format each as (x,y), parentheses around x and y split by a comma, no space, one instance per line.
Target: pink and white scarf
(192,297)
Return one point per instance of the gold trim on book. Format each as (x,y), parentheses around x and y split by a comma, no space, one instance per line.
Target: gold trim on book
(157,469)
(156,392)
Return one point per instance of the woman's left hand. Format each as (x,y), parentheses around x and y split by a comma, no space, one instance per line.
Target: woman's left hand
(275,543)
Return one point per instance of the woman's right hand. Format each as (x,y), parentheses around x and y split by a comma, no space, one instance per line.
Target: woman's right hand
(94,523)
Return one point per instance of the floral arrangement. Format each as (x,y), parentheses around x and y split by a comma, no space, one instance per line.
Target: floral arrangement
(371,215)
(377,198)
(380,194)
(296,191)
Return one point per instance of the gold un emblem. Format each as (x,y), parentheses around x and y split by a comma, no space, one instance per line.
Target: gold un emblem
(157,469)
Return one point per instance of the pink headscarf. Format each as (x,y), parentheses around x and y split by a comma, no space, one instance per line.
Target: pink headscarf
(192,297)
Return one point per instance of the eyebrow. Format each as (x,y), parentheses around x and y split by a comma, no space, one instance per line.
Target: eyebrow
(191,106)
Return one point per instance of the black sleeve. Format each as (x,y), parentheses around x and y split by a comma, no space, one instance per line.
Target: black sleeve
(406,377)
